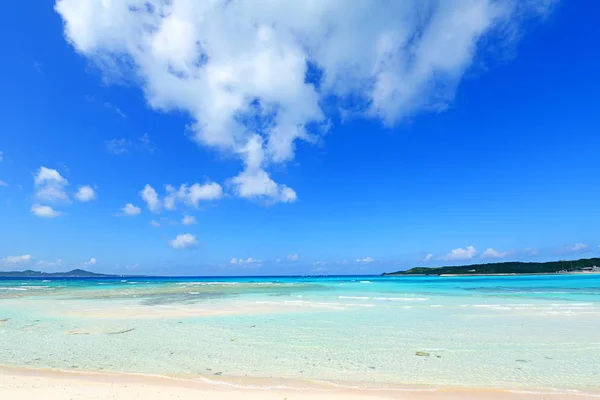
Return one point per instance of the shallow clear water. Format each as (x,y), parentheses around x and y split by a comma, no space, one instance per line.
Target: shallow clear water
(538,332)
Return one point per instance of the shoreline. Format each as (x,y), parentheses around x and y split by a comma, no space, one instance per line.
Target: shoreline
(18,383)
(504,274)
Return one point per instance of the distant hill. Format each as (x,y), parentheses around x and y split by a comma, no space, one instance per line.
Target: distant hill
(505,268)
(76,273)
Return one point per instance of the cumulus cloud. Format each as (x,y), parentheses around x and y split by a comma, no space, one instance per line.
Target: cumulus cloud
(461,254)
(151,199)
(222,63)
(493,254)
(17,259)
(366,260)
(85,193)
(50,185)
(578,247)
(130,210)
(44,211)
(184,241)
(91,261)
(428,257)
(293,257)
(188,220)
(191,195)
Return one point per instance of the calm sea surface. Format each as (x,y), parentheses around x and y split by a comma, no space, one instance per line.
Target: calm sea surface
(534,332)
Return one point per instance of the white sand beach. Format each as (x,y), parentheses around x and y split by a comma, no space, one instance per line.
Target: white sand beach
(26,384)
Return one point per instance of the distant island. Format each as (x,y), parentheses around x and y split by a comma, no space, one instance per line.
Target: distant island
(508,268)
(76,273)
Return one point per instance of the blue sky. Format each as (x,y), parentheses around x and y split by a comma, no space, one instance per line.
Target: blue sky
(438,133)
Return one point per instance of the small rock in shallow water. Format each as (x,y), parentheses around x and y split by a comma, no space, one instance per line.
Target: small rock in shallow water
(422,354)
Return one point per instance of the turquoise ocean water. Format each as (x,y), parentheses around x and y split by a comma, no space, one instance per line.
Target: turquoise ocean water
(515,332)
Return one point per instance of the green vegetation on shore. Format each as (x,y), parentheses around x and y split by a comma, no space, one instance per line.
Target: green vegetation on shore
(76,273)
(505,268)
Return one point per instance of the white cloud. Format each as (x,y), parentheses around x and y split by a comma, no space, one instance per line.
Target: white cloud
(320,263)
(116,109)
(123,146)
(154,223)
(50,185)
(85,193)
(151,199)
(130,210)
(221,63)
(293,257)
(118,146)
(461,254)
(192,195)
(428,257)
(365,260)
(278,260)
(144,143)
(491,253)
(2,183)
(241,261)
(1,156)
(531,251)
(92,261)
(17,259)
(189,220)
(184,241)
(578,247)
(56,263)
(44,211)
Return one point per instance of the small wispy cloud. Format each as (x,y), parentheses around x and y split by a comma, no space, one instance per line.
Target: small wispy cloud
(38,66)
(366,260)
(578,248)
(293,257)
(114,108)
(16,259)
(120,146)
(530,251)
(242,261)
(188,220)
(56,263)
(106,104)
